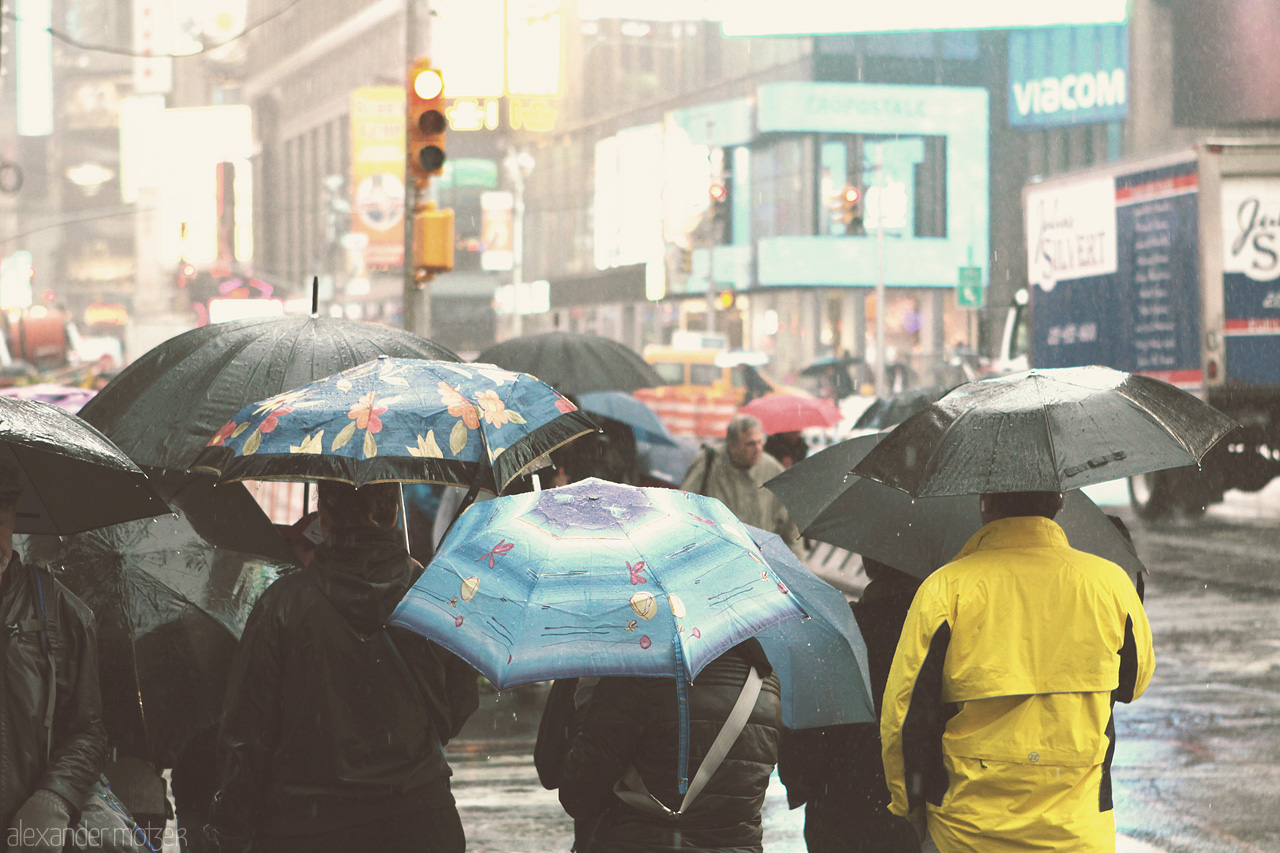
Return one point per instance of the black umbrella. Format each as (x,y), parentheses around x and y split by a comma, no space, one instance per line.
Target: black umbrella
(169,609)
(1045,430)
(574,363)
(892,409)
(914,535)
(162,408)
(73,477)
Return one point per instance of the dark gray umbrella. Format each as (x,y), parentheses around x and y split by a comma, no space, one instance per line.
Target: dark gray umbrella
(73,477)
(914,535)
(162,408)
(169,609)
(574,363)
(1045,430)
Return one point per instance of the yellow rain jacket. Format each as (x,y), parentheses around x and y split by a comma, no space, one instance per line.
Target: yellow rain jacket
(998,711)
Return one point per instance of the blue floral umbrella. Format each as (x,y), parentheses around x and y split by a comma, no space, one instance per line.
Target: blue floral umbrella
(595,578)
(399,420)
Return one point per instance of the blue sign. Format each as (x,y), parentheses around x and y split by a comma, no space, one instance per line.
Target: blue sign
(1068,75)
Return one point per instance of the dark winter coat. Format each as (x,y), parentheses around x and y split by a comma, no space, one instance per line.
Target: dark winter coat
(836,770)
(322,728)
(634,721)
(79,741)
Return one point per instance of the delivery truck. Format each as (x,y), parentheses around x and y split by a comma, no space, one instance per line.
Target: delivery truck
(1167,266)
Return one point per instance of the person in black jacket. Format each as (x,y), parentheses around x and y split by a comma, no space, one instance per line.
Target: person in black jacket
(333,726)
(836,771)
(47,764)
(633,722)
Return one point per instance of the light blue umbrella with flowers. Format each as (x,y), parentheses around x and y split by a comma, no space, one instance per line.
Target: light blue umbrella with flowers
(596,578)
(399,420)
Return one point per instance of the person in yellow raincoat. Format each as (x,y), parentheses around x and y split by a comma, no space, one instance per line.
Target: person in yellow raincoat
(997,724)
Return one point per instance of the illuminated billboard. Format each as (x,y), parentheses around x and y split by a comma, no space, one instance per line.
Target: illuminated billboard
(377,172)
(821,17)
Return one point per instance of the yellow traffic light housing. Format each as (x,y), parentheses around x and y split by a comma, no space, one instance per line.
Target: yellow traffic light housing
(433,240)
(426,120)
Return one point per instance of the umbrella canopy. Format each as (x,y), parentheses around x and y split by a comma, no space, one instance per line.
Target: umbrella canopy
(624,408)
(73,477)
(574,363)
(791,413)
(169,609)
(914,535)
(69,398)
(163,407)
(399,420)
(828,364)
(821,660)
(893,409)
(595,578)
(1045,430)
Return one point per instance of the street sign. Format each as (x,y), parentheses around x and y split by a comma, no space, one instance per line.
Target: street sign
(969,291)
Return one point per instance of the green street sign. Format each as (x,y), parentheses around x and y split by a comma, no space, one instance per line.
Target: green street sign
(969,290)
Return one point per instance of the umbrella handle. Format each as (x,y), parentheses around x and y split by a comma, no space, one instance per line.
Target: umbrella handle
(404,520)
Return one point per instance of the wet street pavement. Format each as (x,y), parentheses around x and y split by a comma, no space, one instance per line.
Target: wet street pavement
(1197,767)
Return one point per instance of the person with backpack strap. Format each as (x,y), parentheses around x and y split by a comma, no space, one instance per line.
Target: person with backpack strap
(620,772)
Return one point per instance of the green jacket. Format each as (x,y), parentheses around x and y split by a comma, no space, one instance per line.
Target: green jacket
(740,490)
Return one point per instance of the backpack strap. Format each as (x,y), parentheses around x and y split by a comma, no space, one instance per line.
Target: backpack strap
(706,472)
(632,790)
(44,595)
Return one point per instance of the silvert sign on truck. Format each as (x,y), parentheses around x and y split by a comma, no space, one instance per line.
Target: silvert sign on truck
(1169,266)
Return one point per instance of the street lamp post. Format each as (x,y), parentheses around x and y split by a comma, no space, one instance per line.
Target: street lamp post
(519,165)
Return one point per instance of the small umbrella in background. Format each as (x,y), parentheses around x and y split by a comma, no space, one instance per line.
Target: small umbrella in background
(626,409)
(163,407)
(790,413)
(914,535)
(169,609)
(821,660)
(574,363)
(1045,430)
(399,420)
(73,477)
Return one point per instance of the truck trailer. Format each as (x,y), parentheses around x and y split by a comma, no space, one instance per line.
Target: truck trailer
(1168,266)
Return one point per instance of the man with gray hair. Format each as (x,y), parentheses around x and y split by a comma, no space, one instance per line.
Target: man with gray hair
(52,741)
(733,472)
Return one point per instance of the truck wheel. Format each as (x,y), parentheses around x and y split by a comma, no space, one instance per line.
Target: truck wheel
(1151,495)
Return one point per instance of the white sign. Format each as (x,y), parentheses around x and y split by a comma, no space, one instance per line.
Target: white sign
(1071,232)
(1070,92)
(1251,227)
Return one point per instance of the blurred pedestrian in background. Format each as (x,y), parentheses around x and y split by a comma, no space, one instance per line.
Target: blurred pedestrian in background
(333,724)
(734,470)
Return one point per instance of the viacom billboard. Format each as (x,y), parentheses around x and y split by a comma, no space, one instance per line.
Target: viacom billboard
(1068,75)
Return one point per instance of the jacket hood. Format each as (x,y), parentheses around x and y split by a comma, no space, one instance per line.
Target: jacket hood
(364,575)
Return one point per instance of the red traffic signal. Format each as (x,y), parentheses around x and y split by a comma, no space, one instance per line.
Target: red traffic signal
(427,122)
(718,191)
(851,195)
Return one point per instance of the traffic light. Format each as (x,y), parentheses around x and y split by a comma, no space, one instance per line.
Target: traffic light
(850,212)
(726,299)
(427,122)
(721,213)
(433,240)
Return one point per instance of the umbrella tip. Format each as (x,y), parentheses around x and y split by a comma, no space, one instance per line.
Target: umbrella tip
(315,296)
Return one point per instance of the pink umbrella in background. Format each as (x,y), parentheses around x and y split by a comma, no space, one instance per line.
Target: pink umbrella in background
(787,413)
(66,397)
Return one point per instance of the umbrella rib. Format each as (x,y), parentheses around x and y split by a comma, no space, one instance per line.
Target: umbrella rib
(1048,432)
